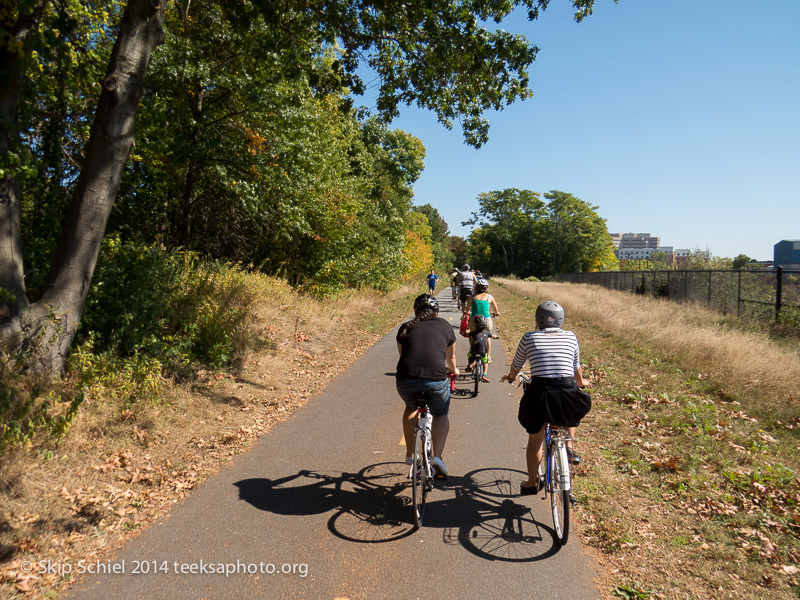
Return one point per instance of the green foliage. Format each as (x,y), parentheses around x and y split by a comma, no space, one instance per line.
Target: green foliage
(440,236)
(741,261)
(146,303)
(25,411)
(521,234)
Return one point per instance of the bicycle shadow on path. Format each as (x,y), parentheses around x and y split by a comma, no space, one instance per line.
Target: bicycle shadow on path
(481,513)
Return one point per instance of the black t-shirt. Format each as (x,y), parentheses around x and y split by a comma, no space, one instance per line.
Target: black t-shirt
(480,342)
(424,349)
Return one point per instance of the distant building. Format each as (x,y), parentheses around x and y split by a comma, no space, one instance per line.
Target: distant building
(643,253)
(634,240)
(637,246)
(787,254)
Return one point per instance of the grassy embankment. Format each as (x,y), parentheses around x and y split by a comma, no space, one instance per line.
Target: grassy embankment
(138,445)
(689,486)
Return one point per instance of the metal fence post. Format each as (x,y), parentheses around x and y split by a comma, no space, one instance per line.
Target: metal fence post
(739,297)
(778,292)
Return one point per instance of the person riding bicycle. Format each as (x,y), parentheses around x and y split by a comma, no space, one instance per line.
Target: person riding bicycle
(427,347)
(555,394)
(432,280)
(481,304)
(480,344)
(466,286)
(454,282)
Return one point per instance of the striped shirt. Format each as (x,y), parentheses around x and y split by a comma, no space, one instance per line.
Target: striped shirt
(551,352)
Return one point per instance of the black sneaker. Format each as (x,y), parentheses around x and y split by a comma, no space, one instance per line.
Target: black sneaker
(531,490)
(573,457)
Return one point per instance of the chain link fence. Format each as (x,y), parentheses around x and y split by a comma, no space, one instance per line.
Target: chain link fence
(750,294)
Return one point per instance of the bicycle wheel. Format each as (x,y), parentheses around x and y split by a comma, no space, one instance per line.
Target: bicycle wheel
(559,496)
(419,477)
(477,373)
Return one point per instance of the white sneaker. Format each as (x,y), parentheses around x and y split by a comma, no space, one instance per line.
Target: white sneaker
(438,466)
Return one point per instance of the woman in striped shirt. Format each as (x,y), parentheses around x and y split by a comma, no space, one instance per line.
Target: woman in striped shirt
(553,395)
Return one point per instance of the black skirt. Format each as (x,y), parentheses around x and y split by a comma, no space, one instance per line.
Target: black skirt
(557,401)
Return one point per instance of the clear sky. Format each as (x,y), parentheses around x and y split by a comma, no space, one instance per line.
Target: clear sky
(679,118)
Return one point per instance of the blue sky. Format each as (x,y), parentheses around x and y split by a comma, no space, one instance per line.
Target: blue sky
(680,118)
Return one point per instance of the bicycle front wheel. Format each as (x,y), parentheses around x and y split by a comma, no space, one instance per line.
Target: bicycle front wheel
(419,477)
(559,496)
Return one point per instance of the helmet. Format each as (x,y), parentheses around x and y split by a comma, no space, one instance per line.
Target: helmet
(426,302)
(480,322)
(482,285)
(549,314)
(465,268)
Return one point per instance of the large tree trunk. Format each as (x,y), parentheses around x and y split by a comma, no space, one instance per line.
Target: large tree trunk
(49,326)
(15,42)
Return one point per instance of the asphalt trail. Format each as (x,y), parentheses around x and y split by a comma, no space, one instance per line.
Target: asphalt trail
(320,508)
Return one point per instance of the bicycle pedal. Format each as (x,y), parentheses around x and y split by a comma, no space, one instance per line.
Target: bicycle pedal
(440,476)
(572,499)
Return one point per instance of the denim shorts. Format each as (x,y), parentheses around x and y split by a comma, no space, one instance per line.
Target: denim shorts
(438,394)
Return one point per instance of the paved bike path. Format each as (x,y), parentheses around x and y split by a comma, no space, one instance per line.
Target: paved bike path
(325,495)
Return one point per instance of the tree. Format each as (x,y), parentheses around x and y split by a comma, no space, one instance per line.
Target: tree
(580,239)
(47,327)
(703,260)
(502,215)
(459,249)
(741,261)
(436,55)
(440,235)
(417,249)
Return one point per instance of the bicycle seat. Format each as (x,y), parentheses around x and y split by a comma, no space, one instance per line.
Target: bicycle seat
(421,399)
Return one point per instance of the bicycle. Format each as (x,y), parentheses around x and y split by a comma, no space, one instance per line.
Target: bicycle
(480,369)
(554,472)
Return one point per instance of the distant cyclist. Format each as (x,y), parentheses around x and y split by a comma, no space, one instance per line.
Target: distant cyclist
(454,282)
(466,286)
(427,347)
(553,395)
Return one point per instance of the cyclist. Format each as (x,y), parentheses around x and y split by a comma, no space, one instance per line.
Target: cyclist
(483,304)
(480,344)
(553,395)
(466,286)
(454,282)
(432,279)
(427,347)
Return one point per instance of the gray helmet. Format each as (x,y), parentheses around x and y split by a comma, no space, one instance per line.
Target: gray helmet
(465,268)
(549,314)
(482,285)
(480,323)
(426,302)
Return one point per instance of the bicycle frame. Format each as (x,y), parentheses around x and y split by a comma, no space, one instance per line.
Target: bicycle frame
(556,438)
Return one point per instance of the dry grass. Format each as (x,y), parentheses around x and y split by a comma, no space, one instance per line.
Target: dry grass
(689,486)
(124,463)
(747,366)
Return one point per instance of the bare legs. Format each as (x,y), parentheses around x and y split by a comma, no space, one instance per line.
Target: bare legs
(439,430)
(533,455)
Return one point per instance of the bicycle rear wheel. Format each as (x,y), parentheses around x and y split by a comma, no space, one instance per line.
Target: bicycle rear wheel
(419,477)
(559,497)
